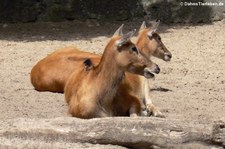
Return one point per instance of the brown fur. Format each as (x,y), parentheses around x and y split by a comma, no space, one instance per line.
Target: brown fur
(70,59)
(152,46)
(91,93)
(149,42)
(51,73)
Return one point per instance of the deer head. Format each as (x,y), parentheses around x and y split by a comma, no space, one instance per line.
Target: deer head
(150,42)
(121,51)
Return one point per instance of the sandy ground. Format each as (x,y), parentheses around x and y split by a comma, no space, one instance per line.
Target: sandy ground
(190,87)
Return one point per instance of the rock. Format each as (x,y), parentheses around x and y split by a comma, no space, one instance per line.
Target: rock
(5,25)
(18,11)
(117,132)
(169,11)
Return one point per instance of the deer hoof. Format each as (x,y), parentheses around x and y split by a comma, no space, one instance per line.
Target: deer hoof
(154,111)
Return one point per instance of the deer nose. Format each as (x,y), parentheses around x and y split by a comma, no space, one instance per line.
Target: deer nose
(148,72)
(167,56)
(157,69)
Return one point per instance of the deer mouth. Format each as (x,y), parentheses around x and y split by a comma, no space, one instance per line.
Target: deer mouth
(148,75)
(148,72)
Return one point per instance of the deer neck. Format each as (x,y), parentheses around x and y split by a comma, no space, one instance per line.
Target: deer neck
(109,76)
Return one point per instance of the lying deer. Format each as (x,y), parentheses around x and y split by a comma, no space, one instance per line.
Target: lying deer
(149,42)
(51,73)
(91,92)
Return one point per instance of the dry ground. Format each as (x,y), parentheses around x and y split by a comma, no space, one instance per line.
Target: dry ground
(190,87)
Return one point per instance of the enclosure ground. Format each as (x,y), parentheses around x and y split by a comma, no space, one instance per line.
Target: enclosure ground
(190,87)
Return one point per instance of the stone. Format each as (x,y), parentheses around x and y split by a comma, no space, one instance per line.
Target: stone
(168,11)
(114,132)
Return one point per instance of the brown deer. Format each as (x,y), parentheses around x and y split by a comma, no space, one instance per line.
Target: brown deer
(149,42)
(90,92)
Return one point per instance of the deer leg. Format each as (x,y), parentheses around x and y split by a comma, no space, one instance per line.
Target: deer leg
(135,106)
(150,107)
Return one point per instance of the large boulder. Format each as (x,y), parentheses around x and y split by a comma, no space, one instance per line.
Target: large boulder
(18,10)
(117,132)
(189,11)
(169,11)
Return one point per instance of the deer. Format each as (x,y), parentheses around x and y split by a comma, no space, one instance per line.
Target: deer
(52,72)
(90,91)
(150,43)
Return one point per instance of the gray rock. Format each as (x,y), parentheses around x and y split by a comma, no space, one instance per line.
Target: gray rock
(169,11)
(118,132)
(173,11)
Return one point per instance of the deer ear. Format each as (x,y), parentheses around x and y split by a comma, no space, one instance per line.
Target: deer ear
(88,65)
(154,27)
(125,38)
(143,26)
(119,31)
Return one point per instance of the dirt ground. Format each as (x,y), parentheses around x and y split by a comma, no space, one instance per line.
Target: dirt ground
(190,87)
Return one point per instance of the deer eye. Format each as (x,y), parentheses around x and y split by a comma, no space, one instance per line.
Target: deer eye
(159,38)
(149,37)
(134,49)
